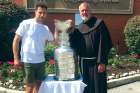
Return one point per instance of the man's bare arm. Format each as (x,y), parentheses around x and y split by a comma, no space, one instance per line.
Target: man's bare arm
(15,50)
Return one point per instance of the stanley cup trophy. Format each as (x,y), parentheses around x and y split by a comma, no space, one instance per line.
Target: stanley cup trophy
(65,67)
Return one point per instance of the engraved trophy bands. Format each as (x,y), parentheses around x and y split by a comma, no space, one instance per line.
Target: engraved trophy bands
(64,55)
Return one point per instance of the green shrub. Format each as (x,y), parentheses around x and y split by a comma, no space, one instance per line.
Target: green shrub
(114,59)
(49,54)
(8,72)
(49,51)
(132,35)
(10,17)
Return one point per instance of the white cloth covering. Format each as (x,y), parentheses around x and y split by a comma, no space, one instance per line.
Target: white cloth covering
(52,86)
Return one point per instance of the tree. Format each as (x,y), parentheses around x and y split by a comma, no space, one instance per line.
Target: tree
(10,17)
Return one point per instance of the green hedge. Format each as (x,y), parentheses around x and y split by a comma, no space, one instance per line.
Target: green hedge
(132,35)
(10,17)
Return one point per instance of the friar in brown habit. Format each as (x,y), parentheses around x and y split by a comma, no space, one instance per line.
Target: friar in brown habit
(92,43)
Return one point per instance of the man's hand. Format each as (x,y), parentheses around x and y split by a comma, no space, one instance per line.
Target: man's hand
(101,68)
(17,63)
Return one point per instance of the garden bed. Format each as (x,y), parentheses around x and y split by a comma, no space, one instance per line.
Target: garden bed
(15,81)
(123,68)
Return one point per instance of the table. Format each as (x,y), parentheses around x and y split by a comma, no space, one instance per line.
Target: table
(52,86)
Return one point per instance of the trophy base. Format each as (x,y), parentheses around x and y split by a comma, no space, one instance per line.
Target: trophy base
(67,78)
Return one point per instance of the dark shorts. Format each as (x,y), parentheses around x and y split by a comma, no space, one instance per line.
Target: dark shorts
(34,72)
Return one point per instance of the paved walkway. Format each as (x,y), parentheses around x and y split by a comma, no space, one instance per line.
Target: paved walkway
(128,88)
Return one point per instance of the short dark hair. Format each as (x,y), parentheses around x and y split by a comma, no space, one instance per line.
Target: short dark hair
(42,5)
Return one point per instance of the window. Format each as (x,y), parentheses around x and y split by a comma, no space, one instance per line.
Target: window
(78,19)
(31,3)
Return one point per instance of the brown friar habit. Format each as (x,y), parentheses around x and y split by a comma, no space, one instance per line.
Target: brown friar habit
(92,47)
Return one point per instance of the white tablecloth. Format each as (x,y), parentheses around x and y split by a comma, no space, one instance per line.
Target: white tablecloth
(52,86)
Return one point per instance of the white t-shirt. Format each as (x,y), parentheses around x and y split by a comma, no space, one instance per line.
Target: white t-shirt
(34,36)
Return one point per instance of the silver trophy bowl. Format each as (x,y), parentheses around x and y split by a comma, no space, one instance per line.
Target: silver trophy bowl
(65,67)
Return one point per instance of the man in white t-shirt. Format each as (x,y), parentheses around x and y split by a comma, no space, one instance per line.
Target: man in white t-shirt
(33,35)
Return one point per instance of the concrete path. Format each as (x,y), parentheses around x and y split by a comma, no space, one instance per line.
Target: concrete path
(128,88)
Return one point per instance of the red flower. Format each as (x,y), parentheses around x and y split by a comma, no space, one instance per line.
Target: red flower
(1,77)
(1,63)
(51,61)
(135,56)
(11,62)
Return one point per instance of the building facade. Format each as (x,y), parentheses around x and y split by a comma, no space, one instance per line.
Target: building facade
(115,13)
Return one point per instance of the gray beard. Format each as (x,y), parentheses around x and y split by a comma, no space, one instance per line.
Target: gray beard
(85,19)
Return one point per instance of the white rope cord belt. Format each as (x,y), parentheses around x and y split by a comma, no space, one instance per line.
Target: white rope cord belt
(84,58)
